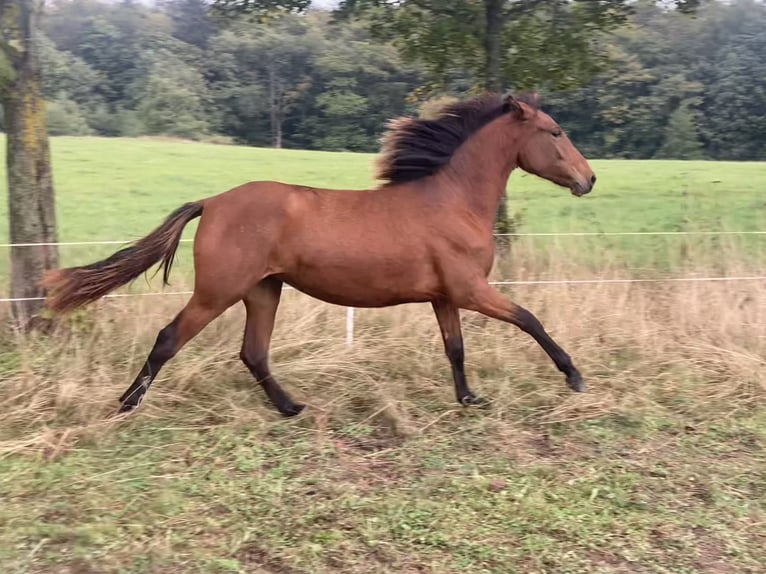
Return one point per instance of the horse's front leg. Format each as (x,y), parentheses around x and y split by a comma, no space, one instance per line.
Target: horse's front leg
(448,317)
(485,299)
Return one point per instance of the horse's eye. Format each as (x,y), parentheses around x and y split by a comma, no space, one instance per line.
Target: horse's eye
(556,133)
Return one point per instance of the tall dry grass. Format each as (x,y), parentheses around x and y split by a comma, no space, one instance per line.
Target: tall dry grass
(661,349)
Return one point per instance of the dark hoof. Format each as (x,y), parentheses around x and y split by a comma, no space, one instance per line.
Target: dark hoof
(475,402)
(130,405)
(575,382)
(132,399)
(292,410)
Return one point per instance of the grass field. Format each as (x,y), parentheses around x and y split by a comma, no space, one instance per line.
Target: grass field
(112,189)
(659,468)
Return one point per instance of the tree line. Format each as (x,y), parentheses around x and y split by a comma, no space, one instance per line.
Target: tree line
(648,82)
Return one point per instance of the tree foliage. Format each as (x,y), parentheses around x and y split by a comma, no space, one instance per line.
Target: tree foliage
(259,10)
(708,68)
(659,84)
(501,43)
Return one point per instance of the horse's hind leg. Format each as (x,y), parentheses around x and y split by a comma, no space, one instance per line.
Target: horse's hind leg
(187,324)
(448,317)
(261,304)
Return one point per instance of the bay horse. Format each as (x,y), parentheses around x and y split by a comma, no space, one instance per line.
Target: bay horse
(424,235)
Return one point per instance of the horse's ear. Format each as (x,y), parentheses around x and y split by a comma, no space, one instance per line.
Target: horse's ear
(534,99)
(513,106)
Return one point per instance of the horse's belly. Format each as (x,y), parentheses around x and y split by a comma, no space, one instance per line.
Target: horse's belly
(353,298)
(365,284)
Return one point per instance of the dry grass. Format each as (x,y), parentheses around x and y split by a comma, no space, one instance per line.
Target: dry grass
(657,468)
(693,349)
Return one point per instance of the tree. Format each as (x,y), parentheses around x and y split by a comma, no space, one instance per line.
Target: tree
(172,100)
(734,119)
(238,98)
(276,58)
(358,85)
(284,67)
(30,181)
(191,21)
(682,139)
(282,64)
(259,10)
(526,43)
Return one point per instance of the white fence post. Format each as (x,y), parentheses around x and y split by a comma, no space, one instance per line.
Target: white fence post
(350,327)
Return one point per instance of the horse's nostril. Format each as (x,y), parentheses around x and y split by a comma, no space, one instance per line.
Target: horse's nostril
(593,180)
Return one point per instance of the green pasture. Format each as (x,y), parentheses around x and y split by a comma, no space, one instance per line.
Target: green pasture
(119,189)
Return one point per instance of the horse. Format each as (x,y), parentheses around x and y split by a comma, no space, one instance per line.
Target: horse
(424,235)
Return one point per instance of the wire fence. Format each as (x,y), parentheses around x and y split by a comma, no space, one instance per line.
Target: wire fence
(538,282)
(501,282)
(350,311)
(531,234)
(559,282)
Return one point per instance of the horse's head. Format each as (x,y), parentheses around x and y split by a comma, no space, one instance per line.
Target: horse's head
(546,151)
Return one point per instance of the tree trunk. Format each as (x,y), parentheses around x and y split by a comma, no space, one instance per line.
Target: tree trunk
(494,19)
(278,130)
(493,44)
(276,110)
(30,182)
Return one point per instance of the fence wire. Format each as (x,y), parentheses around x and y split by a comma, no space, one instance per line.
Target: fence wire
(541,282)
(532,234)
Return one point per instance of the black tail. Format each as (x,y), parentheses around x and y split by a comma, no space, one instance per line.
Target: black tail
(76,286)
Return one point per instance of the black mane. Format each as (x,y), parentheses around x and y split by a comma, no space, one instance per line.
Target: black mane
(414,148)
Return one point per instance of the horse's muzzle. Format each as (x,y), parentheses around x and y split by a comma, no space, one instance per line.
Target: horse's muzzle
(584,187)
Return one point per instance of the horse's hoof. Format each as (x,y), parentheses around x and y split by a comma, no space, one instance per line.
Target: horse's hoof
(130,402)
(292,410)
(475,402)
(127,407)
(575,382)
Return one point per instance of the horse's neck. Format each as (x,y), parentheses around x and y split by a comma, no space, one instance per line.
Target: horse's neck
(479,170)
